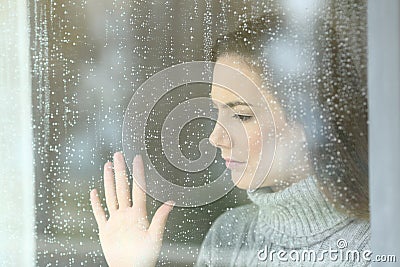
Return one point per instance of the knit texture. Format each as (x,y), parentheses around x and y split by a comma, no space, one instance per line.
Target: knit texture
(298,221)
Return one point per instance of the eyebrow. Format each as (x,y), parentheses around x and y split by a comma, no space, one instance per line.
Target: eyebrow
(235,103)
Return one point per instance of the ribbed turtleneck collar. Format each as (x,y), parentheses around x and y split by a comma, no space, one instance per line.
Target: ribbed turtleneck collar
(298,215)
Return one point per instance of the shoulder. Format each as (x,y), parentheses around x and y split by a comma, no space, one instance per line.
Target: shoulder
(354,240)
(360,232)
(233,221)
(355,236)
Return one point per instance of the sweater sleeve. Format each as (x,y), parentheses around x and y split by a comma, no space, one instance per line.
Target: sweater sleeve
(204,258)
(223,237)
(210,243)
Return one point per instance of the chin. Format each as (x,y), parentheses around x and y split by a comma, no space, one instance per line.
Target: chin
(240,182)
(246,184)
(243,183)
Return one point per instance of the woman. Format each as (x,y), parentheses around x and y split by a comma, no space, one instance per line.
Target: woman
(300,151)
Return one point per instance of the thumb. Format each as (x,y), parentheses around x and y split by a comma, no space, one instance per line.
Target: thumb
(159,220)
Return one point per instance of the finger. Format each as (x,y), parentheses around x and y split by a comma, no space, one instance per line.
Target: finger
(98,210)
(121,181)
(157,225)
(139,187)
(109,188)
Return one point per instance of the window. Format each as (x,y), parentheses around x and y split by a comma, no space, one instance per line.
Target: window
(64,101)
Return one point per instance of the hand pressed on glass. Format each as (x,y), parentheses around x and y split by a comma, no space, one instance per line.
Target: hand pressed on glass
(127,238)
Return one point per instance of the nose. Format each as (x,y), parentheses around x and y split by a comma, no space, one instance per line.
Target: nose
(219,137)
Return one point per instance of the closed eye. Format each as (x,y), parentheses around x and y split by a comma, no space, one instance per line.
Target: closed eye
(242,117)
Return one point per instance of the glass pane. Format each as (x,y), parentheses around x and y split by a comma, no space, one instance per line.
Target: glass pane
(91,61)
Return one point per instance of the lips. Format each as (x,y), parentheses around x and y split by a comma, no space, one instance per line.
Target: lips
(232,164)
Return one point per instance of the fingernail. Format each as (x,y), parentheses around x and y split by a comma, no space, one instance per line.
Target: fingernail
(171,203)
(108,165)
(137,157)
(118,153)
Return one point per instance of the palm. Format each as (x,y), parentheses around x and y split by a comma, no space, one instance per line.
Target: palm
(127,238)
(121,234)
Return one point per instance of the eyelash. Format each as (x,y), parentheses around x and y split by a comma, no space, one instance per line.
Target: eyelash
(242,117)
(237,116)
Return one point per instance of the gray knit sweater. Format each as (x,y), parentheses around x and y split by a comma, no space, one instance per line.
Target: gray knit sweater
(294,227)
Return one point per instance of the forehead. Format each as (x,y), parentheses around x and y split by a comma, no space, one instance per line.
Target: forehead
(221,95)
(234,80)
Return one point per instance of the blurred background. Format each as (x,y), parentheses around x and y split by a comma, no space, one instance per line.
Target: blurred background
(87,58)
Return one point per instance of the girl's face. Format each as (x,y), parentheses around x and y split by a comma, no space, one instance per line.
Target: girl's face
(259,146)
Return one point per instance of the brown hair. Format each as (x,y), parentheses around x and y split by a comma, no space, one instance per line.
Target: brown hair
(329,100)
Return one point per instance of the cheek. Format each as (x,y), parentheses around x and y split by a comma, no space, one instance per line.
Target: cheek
(262,144)
(255,139)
